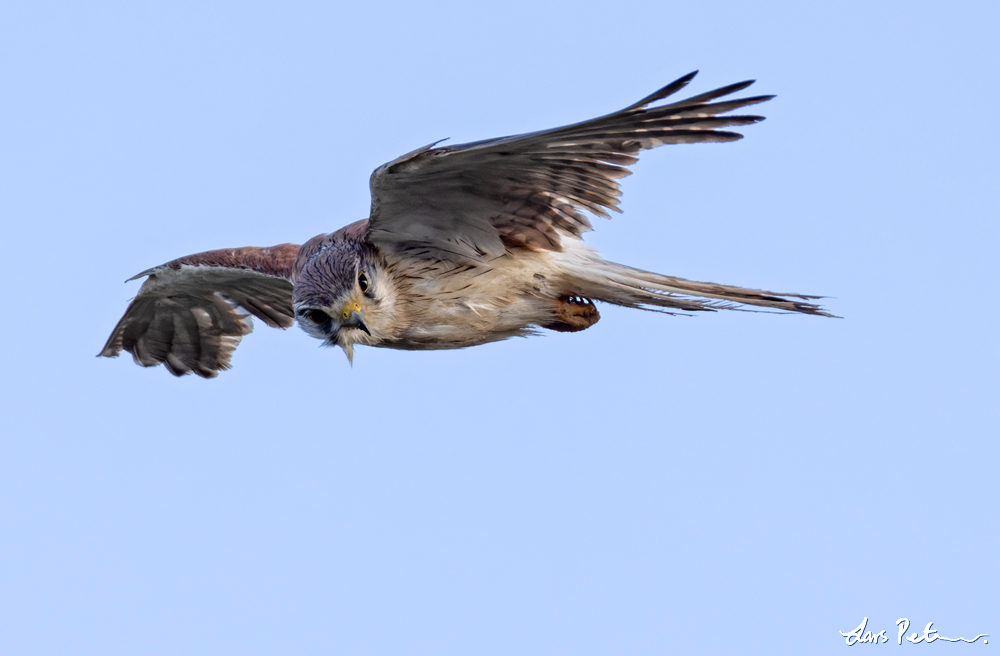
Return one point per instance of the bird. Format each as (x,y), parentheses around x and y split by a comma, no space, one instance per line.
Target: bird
(464,245)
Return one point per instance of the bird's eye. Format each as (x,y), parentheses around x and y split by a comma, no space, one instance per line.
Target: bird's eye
(317,316)
(363,281)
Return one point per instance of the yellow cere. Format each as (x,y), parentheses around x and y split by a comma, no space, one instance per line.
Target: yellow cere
(350,307)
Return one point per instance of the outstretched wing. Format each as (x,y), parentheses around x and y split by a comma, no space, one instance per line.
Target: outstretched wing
(188,315)
(470,202)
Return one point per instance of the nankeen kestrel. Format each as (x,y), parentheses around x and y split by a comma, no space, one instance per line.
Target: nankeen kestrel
(465,245)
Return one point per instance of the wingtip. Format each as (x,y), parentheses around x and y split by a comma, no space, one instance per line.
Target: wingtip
(663,92)
(140,275)
(739,86)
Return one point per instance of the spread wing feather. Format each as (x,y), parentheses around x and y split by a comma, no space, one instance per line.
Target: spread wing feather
(469,202)
(191,313)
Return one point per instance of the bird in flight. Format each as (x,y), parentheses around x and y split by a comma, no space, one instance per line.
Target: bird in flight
(465,245)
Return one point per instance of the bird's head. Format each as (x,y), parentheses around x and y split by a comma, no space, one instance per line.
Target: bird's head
(345,296)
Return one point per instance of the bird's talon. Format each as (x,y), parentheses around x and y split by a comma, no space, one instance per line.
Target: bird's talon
(574,313)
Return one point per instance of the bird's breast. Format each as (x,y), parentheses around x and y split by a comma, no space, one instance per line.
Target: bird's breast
(467,307)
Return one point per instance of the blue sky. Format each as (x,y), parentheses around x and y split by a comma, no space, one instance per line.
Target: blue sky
(730,483)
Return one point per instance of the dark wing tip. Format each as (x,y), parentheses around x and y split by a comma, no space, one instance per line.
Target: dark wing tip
(721,136)
(662,93)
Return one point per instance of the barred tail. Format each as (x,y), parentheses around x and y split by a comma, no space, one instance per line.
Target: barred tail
(622,285)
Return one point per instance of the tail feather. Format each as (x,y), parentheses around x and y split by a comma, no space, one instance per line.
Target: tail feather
(622,285)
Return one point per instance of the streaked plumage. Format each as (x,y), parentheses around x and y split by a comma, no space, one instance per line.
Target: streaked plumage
(465,245)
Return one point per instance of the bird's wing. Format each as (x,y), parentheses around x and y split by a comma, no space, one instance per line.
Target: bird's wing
(188,315)
(470,202)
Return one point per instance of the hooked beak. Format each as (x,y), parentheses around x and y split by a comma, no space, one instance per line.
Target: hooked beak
(355,321)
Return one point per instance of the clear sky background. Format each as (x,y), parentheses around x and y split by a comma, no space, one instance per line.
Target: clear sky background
(728,483)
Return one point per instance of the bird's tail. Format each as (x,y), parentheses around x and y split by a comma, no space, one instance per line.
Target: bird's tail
(622,285)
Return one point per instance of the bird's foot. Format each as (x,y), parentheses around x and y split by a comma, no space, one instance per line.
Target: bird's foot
(573,314)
